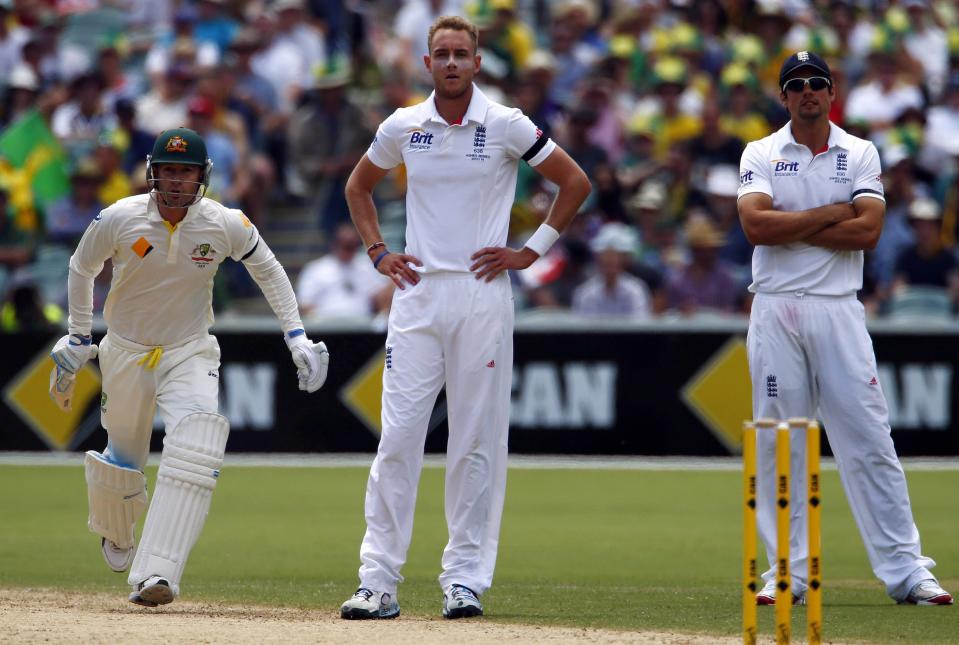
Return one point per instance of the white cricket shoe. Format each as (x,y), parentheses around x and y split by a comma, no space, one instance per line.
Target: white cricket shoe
(117,557)
(767,595)
(460,602)
(927,592)
(152,592)
(366,604)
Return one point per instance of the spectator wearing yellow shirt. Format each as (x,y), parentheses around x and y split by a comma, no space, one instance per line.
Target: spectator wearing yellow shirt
(671,124)
(740,118)
(503,34)
(116,183)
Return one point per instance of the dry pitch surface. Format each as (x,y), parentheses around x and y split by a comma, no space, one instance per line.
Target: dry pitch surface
(40,615)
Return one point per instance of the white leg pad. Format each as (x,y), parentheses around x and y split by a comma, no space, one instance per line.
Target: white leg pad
(189,467)
(117,496)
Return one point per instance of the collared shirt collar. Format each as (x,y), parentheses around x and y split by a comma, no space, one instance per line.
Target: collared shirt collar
(476,111)
(837,137)
(153,211)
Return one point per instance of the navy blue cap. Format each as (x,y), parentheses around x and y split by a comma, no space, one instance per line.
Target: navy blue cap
(803,59)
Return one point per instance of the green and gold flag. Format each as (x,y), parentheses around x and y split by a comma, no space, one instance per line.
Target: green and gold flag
(33,166)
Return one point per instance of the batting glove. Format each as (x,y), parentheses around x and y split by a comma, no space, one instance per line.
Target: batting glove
(312,361)
(72,351)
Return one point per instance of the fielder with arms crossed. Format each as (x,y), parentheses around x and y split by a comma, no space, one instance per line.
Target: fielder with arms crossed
(811,200)
(452,316)
(165,246)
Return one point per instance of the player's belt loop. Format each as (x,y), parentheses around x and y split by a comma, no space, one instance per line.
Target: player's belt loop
(151,358)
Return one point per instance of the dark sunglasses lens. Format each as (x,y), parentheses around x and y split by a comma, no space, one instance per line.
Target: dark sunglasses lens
(799,84)
(816,84)
(795,85)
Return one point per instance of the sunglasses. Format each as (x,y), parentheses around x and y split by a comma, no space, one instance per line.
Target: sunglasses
(815,83)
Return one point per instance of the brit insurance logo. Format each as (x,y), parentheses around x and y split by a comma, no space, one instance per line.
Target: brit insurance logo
(785,168)
(202,254)
(420,139)
(746,178)
(479,145)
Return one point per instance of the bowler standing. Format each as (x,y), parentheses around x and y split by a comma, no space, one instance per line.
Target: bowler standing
(452,316)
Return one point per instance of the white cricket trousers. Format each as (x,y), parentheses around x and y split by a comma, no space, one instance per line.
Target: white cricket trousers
(184,380)
(809,353)
(449,328)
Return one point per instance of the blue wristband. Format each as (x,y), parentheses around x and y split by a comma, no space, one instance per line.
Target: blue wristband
(379,258)
(293,333)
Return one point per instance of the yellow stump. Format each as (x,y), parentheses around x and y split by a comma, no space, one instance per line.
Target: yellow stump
(749,534)
(784,596)
(814,500)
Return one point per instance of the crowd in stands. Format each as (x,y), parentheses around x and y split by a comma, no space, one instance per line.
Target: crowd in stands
(655,99)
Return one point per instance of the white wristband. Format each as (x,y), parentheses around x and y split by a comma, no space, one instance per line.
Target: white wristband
(541,241)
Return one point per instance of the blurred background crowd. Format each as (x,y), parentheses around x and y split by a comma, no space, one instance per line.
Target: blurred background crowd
(655,99)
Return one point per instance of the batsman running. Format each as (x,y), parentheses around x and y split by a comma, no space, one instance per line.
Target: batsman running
(165,246)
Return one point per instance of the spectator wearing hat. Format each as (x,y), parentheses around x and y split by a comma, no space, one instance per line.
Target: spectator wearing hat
(613,291)
(719,192)
(740,117)
(927,263)
(672,124)
(326,137)
(639,162)
(68,217)
(20,94)
(705,283)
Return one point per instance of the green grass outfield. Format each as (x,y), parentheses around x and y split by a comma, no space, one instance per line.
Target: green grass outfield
(623,549)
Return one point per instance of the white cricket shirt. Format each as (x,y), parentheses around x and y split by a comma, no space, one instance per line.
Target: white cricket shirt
(461,178)
(162,286)
(798,180)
